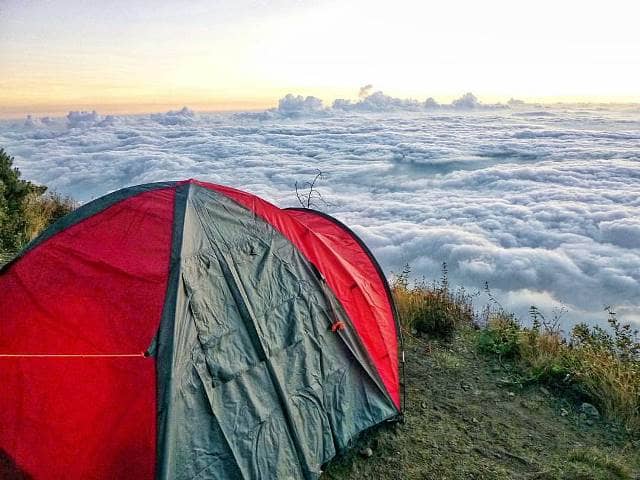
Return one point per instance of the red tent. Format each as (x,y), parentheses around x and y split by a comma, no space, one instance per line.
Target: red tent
(190,330)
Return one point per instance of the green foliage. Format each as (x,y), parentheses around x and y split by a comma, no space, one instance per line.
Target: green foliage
(501,336)
(25,209)
(622,341)
(13,193)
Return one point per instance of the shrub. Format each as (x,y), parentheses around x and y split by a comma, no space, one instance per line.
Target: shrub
(40,211)
(606,369)
(432,309)
(545,355)
(25,209)
(500,336)
(13,192)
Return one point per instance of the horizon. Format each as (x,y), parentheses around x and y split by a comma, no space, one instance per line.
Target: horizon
(152,56)
(249,106)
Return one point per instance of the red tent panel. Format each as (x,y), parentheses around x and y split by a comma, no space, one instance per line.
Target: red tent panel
(78,418)
(95,288)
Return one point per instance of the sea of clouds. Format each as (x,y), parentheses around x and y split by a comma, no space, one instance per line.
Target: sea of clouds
(541,202)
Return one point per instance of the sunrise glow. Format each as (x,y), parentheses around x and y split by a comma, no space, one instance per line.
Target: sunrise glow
(149,56)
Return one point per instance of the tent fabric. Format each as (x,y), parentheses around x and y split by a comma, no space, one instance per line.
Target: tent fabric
(188,330)
(369,296)
(349,271)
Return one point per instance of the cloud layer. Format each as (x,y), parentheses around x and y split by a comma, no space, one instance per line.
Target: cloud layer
(543,203)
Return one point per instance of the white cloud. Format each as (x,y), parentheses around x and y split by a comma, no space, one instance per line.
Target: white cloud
(380,102)
(543,203)
(377,102)
(176,117)
(468,101)
(81,119)
(294,105)
(624,232)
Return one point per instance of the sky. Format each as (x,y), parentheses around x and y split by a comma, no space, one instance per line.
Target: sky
(140,56)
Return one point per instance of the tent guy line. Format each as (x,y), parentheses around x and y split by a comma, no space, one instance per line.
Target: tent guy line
(72,355)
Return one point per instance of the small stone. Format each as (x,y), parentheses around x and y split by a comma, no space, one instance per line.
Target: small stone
(366,452)
(475,420)
(589,410)
(511,394)
(564,412)
(545,391)
(504,382)
(477,393)
(466,387)
(423,405)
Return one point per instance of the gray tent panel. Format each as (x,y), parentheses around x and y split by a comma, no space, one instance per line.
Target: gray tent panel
(253,383)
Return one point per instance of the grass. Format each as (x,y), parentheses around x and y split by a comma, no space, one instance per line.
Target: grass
(432,309)
(592,364)
(40,211)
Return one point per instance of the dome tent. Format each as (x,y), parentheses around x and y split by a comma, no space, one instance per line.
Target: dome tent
(187,330)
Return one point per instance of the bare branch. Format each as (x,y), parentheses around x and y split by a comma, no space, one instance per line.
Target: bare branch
(306,198)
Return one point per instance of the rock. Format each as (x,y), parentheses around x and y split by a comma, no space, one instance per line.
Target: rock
(366,452)
(504,382)
(545,391)
(477,393)
(589,410)
(511,394)
(564,412)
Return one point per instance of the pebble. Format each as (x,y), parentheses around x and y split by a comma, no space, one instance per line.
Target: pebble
(589,410)
(366,452)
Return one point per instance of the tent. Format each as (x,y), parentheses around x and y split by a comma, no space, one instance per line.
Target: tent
(185,330)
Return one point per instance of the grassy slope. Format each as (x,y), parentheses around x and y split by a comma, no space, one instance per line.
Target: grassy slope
(464,420)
